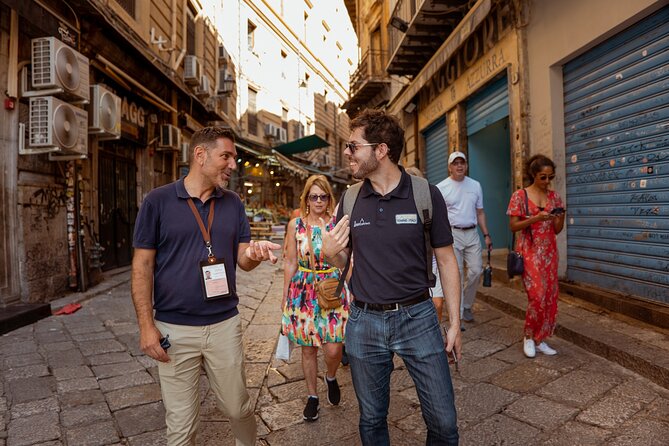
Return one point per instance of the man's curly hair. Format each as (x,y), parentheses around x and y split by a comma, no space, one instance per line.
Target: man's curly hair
(381,127)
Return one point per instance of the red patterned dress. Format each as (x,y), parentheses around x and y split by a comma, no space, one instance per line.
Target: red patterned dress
(540,255)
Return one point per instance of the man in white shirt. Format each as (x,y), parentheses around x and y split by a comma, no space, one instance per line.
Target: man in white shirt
(464,200)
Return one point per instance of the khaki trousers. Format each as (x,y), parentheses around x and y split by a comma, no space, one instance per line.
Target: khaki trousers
(219,348)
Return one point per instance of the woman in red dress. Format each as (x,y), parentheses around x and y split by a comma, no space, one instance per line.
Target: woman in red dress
(536,214)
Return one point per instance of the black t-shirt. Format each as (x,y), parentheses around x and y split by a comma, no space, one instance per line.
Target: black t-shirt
(389,245)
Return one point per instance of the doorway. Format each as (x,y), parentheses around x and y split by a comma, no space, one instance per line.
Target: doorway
(118,206)
(490,165)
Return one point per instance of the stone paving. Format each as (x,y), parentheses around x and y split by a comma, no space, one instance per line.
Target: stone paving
(82,380)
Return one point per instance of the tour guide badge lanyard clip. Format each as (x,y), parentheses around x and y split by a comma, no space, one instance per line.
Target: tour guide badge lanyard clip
(212,271)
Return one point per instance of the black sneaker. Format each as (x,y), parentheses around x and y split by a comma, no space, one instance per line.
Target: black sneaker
(311,409)
(334,395)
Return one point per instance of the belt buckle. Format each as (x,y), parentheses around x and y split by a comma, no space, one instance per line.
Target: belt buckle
(397,307)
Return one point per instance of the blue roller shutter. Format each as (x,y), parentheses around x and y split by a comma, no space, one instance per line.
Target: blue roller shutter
(436,149)
(616,100)
(487,106)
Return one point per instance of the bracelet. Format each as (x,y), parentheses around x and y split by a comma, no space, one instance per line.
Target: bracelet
(486,235)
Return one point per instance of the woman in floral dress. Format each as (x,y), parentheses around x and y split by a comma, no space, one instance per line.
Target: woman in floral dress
(303,321)
(536,226)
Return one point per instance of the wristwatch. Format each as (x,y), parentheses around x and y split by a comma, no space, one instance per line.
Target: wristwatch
(486,235)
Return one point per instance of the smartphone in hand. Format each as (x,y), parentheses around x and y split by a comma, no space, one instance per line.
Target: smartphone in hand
(557,211)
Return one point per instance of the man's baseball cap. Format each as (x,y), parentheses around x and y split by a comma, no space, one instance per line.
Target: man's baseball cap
(455,155)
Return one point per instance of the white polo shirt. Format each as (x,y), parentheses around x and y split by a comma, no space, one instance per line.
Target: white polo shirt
(462,198)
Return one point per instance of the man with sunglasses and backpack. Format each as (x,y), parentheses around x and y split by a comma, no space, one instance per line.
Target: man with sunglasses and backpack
(392,312)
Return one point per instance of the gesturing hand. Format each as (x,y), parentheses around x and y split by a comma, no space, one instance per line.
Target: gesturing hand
(261,250)
(336,239)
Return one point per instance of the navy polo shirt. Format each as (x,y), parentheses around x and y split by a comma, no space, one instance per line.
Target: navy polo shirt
(166,223)
(389,245)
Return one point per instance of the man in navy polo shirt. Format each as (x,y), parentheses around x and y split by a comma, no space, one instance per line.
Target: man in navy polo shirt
(185,232)
(392,312)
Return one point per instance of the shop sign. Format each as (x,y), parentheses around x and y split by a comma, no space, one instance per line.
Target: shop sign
(477,44)
(133,118)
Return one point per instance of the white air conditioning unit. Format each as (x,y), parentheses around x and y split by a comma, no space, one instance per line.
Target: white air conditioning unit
(204,90)
(104,113)
(283,135)
(170,138)
(272,130)
(192,70)
(56,126)
(57,65)
(184,152)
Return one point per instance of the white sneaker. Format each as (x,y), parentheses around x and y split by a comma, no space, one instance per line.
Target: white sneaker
(528,348)
(546,350)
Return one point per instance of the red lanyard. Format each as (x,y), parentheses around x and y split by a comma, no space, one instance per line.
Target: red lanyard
(206,234)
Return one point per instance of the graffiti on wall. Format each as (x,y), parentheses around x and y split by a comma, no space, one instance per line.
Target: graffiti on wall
(45,204)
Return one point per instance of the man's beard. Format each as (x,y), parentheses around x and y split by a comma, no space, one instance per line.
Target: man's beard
(366,167)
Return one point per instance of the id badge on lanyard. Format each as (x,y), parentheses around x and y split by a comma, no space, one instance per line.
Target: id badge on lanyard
(214,277)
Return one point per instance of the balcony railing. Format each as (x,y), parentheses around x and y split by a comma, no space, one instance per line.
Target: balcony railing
(417,28)
(371,68)
(400,19)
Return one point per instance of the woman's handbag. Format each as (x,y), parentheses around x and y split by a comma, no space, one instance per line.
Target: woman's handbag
(328,291)
(515,264)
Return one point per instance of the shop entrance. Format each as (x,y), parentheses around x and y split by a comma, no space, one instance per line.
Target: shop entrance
(117,204)
(489,149)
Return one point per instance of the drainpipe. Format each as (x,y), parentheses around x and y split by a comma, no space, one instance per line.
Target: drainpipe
(81,264)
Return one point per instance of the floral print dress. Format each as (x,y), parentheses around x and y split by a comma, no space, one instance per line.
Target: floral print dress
(540,275)
(303,321)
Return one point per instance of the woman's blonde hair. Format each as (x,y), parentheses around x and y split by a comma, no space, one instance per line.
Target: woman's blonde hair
(324,184)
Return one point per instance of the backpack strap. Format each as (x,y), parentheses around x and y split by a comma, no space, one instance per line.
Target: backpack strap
(423,201)
(350,196)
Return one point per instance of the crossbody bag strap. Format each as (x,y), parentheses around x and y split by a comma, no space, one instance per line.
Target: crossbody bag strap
(342,277)
(311,251)
(527,212)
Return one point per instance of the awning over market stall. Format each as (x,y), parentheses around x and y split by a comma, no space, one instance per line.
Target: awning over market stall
(305,144)
(289,164)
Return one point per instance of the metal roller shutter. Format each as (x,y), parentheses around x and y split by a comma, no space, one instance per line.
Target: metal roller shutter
(616,100)
(436,148)
(487,106)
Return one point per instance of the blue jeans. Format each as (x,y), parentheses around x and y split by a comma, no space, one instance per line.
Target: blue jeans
(372,338)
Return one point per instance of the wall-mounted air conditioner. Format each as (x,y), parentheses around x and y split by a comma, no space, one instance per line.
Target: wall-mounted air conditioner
(185,146)
(204,90)
(170,138)
(56,126)
(283,135)
(57,65)
(104,113)
(192,70)
(272,130)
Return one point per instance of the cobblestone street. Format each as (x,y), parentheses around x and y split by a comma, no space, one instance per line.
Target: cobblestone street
(80,379)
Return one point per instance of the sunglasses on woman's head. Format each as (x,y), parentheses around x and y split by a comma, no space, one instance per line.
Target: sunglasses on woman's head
(315,197)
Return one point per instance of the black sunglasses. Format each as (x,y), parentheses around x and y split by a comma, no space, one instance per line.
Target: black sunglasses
(353,146)
(314,197)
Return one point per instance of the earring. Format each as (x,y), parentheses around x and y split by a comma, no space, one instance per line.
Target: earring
(307,209)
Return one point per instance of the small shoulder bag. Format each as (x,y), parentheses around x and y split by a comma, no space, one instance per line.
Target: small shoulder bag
(328,291)
(515,264)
